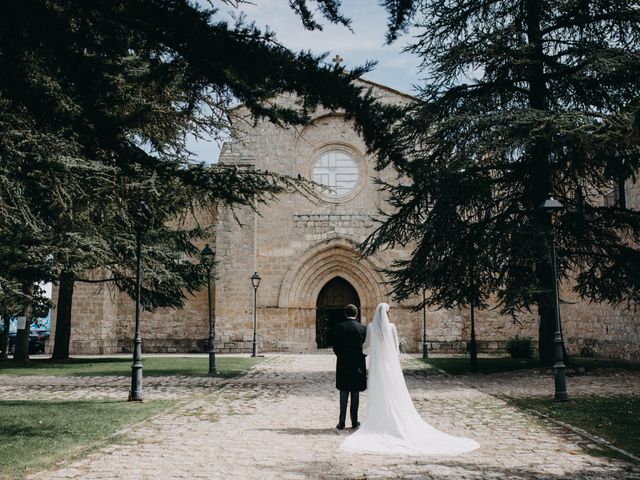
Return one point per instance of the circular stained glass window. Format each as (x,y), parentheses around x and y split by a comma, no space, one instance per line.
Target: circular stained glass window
(337,170)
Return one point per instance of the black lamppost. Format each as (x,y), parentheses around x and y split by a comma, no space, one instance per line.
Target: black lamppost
(209,255)
(141,216)
(425,347)
(551,206)
(255,281)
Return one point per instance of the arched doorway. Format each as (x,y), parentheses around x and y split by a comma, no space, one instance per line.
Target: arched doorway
(334,296)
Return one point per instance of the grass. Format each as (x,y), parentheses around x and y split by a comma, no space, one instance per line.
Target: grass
(461,365)
(108,366)
(597,363)
(616,419)
(35,435)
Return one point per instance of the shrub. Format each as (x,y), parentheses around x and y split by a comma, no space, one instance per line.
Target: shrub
(402,345)
(520,347)
(588,349)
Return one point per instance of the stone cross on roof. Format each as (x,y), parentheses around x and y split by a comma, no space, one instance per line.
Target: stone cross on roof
(337,59)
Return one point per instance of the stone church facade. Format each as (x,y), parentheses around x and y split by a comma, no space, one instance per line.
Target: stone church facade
(305,250)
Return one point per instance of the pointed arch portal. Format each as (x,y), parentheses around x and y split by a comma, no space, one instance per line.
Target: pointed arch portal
(336,265)
(334,296)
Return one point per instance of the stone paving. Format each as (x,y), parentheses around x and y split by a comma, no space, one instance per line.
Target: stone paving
(277,422)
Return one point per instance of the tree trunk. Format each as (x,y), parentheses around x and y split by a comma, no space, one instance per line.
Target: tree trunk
(63,316)
(21,353)
(473,347)
(4,338)
(541,181)
(546,300)
(546,333)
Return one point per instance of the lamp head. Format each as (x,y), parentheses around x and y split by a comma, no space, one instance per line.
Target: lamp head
(255,280)
(207,251)
(551,205)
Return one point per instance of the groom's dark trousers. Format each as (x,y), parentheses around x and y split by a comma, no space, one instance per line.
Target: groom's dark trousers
(351,373)
(353,411)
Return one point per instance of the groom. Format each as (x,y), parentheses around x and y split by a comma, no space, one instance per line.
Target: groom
(351,371)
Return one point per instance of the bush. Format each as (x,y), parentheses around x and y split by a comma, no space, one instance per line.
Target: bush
(588,349)
(402,345)
(520,347)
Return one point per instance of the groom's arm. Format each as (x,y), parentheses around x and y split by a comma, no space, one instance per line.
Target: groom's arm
(336,343)
(367,341)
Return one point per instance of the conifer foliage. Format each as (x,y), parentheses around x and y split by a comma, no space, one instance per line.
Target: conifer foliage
(521,99)
(96,100)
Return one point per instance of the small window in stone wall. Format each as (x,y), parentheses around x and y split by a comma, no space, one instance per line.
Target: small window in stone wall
(617,196)
(338,170)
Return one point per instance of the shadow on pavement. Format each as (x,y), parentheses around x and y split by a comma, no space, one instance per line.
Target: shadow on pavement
(304,431)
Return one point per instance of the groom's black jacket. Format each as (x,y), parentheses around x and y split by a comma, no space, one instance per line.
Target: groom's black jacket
(351,371)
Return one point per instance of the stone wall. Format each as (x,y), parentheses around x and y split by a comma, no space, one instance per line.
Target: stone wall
(93,315)
(103,319)
(600,329)
(298,244)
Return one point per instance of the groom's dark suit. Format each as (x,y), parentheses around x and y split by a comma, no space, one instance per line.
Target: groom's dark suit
(351,370)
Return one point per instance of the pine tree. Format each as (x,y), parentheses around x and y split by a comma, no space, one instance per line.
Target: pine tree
(521,99)
(96,100)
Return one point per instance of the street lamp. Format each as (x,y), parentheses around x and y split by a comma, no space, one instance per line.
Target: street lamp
(425,347)
(551,206)
(208,256)
(255,281)
(141,214)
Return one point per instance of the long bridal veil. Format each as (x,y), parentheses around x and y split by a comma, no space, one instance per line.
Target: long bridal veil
(391,424)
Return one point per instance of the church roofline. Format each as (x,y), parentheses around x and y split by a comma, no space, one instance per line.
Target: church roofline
(389,89)
(363,80)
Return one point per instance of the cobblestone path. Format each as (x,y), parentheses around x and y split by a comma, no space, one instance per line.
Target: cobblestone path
(278,422)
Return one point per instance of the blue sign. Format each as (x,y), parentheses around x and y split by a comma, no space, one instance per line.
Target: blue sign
(42,324)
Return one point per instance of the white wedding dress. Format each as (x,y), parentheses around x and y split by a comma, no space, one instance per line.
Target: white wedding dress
(391,424)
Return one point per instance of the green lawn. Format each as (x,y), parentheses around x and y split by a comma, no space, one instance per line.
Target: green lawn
(109,366)
(461,365)
(597,363)
(616,419)
(35,435)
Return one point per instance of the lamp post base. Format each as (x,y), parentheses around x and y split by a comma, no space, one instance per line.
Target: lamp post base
(560,382)
(213,370)
(425,350)
(135,394)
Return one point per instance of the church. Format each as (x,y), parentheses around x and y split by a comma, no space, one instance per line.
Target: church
(304,249)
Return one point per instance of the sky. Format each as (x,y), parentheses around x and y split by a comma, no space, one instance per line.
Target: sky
(366,42)
(394,69)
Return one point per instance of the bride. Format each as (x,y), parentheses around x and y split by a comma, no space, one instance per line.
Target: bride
(391,424)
